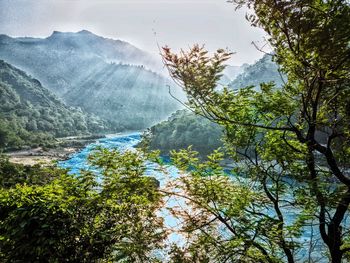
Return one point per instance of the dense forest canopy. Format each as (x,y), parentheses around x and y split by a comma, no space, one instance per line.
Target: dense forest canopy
(181,130)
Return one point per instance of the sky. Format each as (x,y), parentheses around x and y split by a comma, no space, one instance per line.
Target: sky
(143,23)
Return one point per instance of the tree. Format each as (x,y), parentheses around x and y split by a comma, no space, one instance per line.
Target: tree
(292,141)
(85,218)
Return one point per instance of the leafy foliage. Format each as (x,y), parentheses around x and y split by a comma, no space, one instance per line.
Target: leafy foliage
(12,174)
(83,219)
(295,137)
(183,128)
(228,218)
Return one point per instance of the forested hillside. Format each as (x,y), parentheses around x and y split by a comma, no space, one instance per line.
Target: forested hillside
(31,115)
(109,78)
(183,129)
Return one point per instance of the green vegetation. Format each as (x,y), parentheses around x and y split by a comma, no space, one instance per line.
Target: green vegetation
(293,168)
(31,115)
(291,150)
(65,218)
(181,130)
(12,174)
(229,222)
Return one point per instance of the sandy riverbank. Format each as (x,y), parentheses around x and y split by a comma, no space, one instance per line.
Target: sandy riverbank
(40,155)
(66,147)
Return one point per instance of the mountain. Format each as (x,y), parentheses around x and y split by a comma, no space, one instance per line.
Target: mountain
(264,70)
(233,71)
(53,52)
(109,78)
(31,115)
(230,73)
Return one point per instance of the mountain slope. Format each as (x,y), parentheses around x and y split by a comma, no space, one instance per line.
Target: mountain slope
(130,97)
(31,115)
(109,78)
(264,70)
(53,54)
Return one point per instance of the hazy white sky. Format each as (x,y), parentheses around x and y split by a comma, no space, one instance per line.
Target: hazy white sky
(177,23)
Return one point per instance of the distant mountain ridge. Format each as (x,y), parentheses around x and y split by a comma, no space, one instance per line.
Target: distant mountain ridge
(89,43)
(264,70)
(63,52)
(31,115)
(107,77)
(230,73)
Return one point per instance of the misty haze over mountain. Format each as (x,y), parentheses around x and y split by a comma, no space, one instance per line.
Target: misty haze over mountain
(110,78)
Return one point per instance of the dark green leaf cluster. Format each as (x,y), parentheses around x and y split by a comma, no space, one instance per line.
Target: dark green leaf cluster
(12,174)
(89,218)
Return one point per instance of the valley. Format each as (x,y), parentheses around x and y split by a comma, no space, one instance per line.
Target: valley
(104,93)
(106,86)
(175,131)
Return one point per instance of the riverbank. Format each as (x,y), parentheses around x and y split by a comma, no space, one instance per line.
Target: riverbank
(66,146)
(41,155)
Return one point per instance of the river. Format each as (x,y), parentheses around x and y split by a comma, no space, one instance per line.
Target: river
(128,141)
(78,161)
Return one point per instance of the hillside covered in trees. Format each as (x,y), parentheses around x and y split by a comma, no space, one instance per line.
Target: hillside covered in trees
(182,129)
(31,115)
(129,97)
